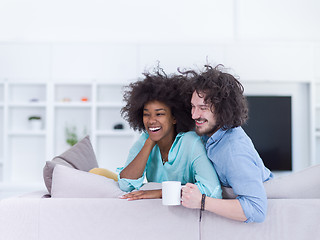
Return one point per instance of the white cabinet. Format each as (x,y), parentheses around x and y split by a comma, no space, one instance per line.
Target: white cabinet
(111,142)
(26,131)
(84,108)
(317,122)
(1,130)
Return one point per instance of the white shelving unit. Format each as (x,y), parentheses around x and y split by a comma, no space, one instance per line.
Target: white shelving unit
(317,122)
(1,130)
(88,108)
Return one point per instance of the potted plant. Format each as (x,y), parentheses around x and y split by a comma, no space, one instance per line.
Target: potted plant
(71,135)
(35,122)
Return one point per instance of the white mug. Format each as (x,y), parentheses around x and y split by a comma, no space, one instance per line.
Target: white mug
(171,193)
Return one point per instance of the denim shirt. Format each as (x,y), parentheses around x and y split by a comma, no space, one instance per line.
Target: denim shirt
(240,167)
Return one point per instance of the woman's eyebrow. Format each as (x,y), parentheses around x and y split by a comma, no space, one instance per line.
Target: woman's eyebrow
(158,109)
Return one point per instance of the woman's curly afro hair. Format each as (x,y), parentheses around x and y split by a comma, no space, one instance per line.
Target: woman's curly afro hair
(173,90)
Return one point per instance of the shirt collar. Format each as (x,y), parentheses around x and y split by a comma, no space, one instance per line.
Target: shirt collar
(176,140)
(215,137)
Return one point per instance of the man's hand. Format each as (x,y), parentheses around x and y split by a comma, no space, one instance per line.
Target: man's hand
(147,194)
(191,196)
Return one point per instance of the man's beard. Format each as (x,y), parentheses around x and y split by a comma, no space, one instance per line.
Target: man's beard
(209,132)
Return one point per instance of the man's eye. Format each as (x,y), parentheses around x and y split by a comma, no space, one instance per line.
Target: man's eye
(160,114)
(146,114)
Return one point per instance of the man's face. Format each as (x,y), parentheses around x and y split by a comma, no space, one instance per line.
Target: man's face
(203,115)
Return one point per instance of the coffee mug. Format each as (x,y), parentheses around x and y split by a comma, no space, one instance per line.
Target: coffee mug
(171,193)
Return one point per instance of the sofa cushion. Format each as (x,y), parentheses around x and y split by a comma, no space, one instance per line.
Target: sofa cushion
(80,156)
(72,183)
(301,184)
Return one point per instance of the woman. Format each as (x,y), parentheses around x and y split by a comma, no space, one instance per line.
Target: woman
(167,150)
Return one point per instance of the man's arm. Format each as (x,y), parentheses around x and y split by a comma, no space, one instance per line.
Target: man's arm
(229,208)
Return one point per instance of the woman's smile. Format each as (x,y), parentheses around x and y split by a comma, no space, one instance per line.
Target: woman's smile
(154,129)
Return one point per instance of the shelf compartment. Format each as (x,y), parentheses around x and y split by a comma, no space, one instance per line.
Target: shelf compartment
(18,118)
(1,143)
(112,152)
(110,133)
(110,105)
(317,90)
(1,170)
(68,93)
(78,119)
(28,133)
(27,104)
(27,160)
(108,118)
(107,93)
(317,120)
(1,93)
(27,93)
(318,150)
(73,104)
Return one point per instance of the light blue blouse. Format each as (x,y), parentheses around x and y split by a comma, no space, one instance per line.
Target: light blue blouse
(187,162)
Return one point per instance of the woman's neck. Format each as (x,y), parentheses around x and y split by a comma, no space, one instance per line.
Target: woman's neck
(166,143)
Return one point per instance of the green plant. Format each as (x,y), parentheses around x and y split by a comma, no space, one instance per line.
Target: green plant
(34,118)
(71,135)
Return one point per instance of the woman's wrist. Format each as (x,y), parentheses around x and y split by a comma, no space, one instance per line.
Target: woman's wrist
(150,143)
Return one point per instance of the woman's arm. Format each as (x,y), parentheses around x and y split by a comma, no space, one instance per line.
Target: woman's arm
(229,208)
(135,168)
(143,194)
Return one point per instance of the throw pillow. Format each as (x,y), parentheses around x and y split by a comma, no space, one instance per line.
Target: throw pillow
(105,173)
(80,156)
(72,183)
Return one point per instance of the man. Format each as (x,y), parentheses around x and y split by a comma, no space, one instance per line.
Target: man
(219,109)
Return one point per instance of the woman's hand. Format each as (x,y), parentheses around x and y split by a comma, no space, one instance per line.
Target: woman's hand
(136,167)
(191,196)
(150,142)
(143,194)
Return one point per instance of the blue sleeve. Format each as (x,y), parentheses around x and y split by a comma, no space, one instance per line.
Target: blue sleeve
(125,184)
(205,175)
(244,177)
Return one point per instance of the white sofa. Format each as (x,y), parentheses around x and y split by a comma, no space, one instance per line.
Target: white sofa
(293,212)
(35,218)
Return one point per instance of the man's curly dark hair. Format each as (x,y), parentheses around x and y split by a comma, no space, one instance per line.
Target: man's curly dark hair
(173,90)
(224,92)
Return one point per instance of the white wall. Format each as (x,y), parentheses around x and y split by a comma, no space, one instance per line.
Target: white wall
(264,39)
(69,40)
(113,21)
(146,21)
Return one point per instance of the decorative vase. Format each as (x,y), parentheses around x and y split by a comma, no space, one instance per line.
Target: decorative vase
(36,124)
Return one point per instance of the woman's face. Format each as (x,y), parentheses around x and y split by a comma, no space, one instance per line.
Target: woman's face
(158,121)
